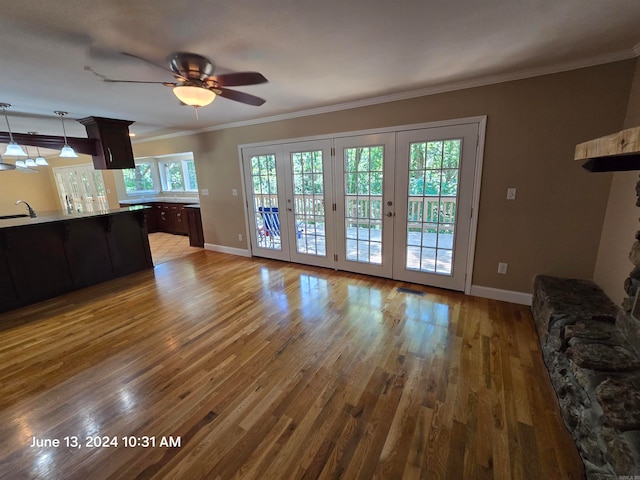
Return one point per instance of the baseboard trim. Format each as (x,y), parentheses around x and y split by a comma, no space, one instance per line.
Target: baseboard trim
(241,252)
(511,296)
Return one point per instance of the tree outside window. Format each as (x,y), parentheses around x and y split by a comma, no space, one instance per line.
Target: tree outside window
(138,179)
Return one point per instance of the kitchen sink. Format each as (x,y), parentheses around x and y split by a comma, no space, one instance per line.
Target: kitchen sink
(8,217)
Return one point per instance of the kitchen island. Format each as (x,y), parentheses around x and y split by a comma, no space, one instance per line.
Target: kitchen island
(58,252)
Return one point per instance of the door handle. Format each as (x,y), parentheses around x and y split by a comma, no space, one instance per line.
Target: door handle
(389,214)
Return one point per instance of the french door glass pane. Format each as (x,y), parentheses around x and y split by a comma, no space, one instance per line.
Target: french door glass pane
(363,203)
(265,201)
(308,202)
(431,212)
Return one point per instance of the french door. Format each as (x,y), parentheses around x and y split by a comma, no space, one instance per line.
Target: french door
(80,189)
(391,204)
(364,171)
(434,187)
(290,194)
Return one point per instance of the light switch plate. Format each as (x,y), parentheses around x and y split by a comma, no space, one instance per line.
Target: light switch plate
(204,191)
(511,193)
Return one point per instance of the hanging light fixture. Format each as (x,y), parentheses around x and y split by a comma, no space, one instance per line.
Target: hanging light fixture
(29,162)
(13,148)
(21,164)
(40,160)
(66,151)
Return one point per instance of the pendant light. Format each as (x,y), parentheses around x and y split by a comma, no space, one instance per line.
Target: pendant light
(67,151)
(40,160)
(29,162)
(13,148)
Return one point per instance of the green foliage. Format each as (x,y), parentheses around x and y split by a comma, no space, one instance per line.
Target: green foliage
(433,168)
(173,176)
(363,170)
(263,172)
(307,173)
(138,178)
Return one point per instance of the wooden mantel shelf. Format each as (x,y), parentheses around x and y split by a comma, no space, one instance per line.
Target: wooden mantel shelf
(616,152)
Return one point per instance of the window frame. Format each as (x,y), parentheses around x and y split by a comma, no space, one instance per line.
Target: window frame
(158,175)
(154,179)
(184,171)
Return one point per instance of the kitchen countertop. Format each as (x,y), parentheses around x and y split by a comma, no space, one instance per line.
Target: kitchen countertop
(60,216)
(143,200)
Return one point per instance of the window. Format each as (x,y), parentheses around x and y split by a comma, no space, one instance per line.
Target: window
(167,173)
(139,179)
(178,176)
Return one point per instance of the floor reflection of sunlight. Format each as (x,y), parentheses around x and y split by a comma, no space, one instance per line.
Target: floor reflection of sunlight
(364,300)
(426,310)
(313,293)
(273,288)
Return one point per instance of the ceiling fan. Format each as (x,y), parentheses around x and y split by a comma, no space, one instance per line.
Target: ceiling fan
(196,84)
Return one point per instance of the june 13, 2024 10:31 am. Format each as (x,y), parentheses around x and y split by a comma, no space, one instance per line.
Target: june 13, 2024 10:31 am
(106,441)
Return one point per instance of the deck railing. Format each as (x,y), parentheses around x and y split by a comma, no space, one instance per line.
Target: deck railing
(363,210)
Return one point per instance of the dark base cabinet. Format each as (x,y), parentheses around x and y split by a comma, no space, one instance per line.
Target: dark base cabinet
(44,259)
(166,217)
(196,235)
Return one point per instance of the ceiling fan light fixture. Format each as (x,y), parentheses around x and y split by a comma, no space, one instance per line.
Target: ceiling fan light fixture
(194,96)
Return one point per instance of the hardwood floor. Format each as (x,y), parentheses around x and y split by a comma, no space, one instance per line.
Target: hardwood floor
(269,370)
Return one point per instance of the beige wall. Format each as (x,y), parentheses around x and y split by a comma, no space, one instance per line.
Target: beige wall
(533,126)
(621,221)
(34,188)
(39,189)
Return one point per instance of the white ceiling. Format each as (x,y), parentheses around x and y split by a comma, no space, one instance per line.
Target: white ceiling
(314,53)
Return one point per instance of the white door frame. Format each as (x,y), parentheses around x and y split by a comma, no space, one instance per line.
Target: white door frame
(480,120)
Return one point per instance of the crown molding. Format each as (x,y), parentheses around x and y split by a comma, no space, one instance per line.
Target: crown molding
(423,92)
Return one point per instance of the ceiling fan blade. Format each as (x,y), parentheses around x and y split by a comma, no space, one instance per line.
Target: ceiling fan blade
(166,84)
(241,97)
(239,78)
(154,64)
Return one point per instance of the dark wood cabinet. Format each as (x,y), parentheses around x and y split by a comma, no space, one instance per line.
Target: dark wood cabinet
(114,144)
(37,262)
(166,217)
(49,258)
(179,219)
(151,218)
(196,235)
(8,294)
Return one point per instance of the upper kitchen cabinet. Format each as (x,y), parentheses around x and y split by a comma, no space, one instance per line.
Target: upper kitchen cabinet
(114,144)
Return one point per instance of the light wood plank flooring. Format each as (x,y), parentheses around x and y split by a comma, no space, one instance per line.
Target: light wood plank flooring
(270,370)
(166,247)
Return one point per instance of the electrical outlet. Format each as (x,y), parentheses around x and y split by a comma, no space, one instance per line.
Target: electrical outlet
(204,191)
(502,268)
(511,193)
(234,192)
(240,237)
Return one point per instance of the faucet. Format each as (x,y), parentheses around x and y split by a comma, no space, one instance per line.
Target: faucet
(32,212)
